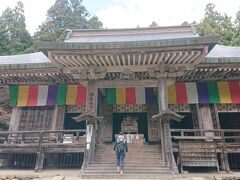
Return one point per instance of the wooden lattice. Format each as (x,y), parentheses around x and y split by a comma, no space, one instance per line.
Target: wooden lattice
(198,154)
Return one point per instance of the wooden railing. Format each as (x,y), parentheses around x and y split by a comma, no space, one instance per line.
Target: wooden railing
(226,140)
(89,152)
(43,137)
(39,139)
(226,136)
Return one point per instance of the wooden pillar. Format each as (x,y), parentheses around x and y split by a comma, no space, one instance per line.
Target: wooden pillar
(58,118)
(162,105)
(206,117)
(15,119)
(165,126)
(92,97)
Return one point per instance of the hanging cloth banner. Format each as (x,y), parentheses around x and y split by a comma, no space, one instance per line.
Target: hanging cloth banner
(42,96)
(204,93)
(23,96)
(51,95)
(71,95)
(180,93)
(61,94)
(13,93)
(130,95)
(32,95)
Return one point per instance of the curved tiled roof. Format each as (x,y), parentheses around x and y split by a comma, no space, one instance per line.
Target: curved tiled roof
(127,35)
(37,57)
(32,60)
(223,54)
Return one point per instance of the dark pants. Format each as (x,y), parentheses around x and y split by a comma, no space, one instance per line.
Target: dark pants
(120,160)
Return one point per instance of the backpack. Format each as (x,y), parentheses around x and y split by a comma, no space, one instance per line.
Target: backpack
(121,146)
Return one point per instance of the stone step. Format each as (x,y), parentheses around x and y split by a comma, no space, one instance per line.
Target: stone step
(150,156)
(128,167)
(142,161)
(128,176)
(131,147)
(130,157)
(166,171)
(127,163)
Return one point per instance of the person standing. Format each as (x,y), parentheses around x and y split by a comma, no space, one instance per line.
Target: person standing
(121,149)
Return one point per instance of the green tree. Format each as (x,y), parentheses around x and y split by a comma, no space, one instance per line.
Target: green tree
(214,23)
(66,14)
(4,39)
(236,35)
(154,24)
(16,39)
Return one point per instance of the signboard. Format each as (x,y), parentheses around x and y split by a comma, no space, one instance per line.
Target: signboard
(89,133)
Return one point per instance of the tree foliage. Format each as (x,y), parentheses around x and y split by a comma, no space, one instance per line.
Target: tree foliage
(154,24)
(66,14)
(214,23)
(236,34)
(15,39)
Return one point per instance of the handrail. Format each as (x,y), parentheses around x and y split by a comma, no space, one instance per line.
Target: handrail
(39,137)
(89,153)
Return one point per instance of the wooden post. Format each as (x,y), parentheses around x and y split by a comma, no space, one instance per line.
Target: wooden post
(92,97)
(165,126)
(162,105)
(40,154)
(15,119)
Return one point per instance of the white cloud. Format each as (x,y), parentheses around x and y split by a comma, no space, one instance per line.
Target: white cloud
(130,13)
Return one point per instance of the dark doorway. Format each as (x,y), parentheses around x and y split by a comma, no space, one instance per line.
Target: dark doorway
(141,121)
(70,123)
(185,123)
(229,120)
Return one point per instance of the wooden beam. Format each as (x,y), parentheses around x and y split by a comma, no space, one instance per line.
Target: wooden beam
(134,59)
(102,60)
(173,55)
(177,58)
(118,60)
(185,54)
(108,61)
(188,57)
(126,83)
(81,61)
(155,57)
(95,58)
(145,58)
(113,60)
(76,61)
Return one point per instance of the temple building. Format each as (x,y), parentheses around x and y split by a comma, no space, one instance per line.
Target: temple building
(174,94)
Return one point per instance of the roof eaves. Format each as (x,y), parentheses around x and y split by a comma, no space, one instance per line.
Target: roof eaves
(212,40)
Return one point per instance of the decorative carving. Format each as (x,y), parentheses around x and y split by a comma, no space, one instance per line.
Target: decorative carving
(127,75)
(167,115)
(91,73)
(166,71)
(129,125)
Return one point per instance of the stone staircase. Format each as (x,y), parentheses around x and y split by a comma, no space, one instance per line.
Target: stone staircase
(141,162)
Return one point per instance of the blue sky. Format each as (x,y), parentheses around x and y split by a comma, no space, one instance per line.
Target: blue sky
(130,13)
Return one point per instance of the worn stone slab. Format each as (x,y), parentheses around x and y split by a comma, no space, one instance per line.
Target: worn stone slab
(58,178)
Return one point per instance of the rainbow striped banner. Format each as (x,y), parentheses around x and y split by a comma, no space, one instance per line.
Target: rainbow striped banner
(37,95)
(130,95)
(204,93)
(178,93)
